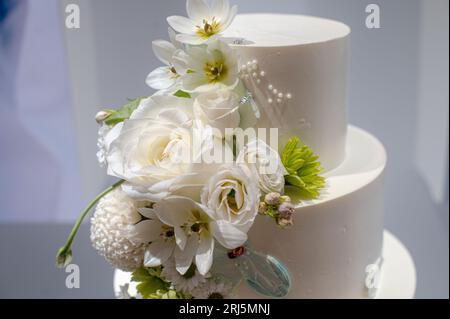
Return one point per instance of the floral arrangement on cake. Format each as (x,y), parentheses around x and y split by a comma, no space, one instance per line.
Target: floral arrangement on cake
(178,218)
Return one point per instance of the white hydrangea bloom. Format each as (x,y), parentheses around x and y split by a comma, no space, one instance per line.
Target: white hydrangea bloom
(111,227)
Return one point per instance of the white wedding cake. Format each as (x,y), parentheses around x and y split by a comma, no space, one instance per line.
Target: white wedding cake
(336,237)
(206,204)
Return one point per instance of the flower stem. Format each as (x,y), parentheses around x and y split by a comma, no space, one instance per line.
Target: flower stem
(64,255)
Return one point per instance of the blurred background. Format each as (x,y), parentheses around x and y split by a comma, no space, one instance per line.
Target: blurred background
(53,80)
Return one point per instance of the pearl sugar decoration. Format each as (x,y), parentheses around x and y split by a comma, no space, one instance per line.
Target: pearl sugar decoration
(250,71)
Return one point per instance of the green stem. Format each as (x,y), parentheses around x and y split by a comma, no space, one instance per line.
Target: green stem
(64,254)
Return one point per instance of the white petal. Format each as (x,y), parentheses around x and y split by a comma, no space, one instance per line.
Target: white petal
(175,116)
(227,235)
(157,253)
(147,212)
(190,39)
(160,78)
(204,256)
(174,211)
(197,10)
(183,258)
(180,237)
(146,231)
(163,50)
(193,81)
(220,9)
(182,24)
(154,193)
(180,61)
(231,15)
(172,37)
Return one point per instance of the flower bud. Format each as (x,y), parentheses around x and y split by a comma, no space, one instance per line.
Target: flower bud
(272,198)
(285,198)
(63,257)
(285,211)
(262,208)
(101,116)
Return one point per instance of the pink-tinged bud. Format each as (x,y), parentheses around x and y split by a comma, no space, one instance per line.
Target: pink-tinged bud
(272,198)
(285,212)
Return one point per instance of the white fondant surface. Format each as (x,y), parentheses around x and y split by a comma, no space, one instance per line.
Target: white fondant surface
(305,58)
(398,276)
(265,29)
(365,161)
(335,237)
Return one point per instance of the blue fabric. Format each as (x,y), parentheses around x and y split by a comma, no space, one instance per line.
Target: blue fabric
(6,6)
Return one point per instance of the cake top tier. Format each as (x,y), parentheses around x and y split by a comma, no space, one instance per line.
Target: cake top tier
(269,30)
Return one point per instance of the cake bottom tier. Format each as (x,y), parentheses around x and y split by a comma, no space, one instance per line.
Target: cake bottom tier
(336,237)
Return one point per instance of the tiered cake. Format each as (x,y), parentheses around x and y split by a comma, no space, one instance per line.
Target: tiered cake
(203,206)
(300,86)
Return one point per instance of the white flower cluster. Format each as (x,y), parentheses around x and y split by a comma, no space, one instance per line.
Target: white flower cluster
(195,205)
(111,224)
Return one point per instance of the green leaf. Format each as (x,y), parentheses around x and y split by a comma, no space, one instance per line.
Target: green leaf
(288,149)
(151,286)
(150,281)
(303,169)
(181,93)
(123,113)
(140,274)
(295,180)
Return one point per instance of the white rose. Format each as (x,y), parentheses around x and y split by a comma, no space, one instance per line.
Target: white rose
(232,194)
(265,163)
(153,148)
(218,109)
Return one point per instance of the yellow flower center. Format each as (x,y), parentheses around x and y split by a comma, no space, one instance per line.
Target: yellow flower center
(209,28)
(167,232)
(215,71)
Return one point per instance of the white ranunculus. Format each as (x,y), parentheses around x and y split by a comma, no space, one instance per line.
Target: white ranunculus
(204,22)
(154,147)
(265,163)
(218,109)
(166,76)
(232,195)
(206,68)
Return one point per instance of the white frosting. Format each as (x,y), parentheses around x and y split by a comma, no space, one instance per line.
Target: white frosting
(267,30)
(304,58)
(334,238)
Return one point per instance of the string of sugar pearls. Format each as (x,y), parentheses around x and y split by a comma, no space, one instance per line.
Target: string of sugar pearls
(251,70)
